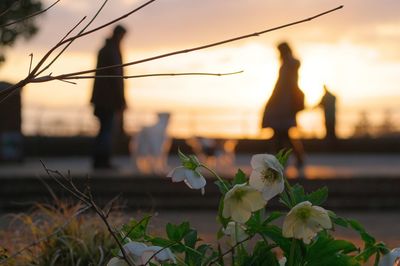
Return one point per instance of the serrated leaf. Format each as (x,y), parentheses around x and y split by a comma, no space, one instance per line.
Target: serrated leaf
(283,156)
(326,250)
(240,178)
(318,196)
(273,216)
(190,238)
(275,234)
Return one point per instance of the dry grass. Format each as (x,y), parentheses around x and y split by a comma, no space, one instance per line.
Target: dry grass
(59,234)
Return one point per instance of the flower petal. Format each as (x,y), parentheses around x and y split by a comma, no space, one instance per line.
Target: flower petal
(195,180)
(255,199)
(163,254)
(274,189)
(257,161)
(241,211)
(256,180)
(117,262)
(177,174)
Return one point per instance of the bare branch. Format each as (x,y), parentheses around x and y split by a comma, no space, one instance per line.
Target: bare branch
(73,38)
(88,200)
(46,56)
(64,77)
(29,16)
(256,34)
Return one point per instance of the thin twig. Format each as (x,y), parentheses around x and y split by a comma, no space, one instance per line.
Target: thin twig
(66,77)
(32,76)
(229,250)
(46,56)
(30,63)
(29,16)
(256,34)
(75,37)
(88,200)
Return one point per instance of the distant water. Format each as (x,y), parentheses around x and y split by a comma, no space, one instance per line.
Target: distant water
(213,122)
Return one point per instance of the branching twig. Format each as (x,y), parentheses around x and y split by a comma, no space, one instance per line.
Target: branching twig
(256,34)
(88,200)
(33,76)
(229,250)
(73,38)
(66,77)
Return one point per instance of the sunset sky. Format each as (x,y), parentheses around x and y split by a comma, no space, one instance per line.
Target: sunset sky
(355,51)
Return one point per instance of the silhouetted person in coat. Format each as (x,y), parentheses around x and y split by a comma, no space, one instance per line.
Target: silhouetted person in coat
(108,96)
(328,104)
(286,100)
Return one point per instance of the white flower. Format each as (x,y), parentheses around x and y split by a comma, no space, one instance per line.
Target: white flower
(391,259)
(140,254)
(117,262)
(304,221)
(236,231)
(161,254)
(282,261)
(241,201)
(267,175)
(191,177)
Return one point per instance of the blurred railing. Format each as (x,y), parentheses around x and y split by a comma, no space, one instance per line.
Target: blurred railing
(209,122)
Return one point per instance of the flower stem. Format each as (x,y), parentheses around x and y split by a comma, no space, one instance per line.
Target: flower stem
(292,249)
(289,190)
(216,175)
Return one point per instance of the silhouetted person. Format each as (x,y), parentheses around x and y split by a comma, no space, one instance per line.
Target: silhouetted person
(328,104)
(108,97)
(286,100)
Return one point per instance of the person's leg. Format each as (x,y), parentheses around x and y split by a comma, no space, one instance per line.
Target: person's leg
(103,140)
(284,141)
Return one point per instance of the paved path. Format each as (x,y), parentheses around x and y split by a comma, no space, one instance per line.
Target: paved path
(317,166)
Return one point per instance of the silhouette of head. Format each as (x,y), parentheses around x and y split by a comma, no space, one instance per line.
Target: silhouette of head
(284,50)
(118,33)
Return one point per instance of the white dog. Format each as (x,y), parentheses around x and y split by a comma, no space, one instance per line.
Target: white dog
(150,147)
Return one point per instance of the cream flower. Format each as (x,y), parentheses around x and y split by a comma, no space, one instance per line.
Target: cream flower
(391,259)
(304,221)
(236,231)
(140,254)
(241,201)
(267,175)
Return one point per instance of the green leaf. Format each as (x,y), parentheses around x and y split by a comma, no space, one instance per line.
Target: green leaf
(285,199)
(274,233)
(190,238)
(298,193)
(262,255)
(240,178)
(182,156)
(136,230)
(221,219)
(273,216)
(326,250)
(319,196)
(177,232)
(283,156)
(367,238)
(222,187)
